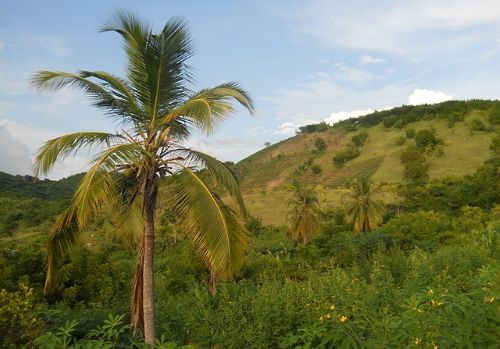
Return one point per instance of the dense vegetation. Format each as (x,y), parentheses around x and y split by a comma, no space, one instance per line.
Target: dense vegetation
(428,277)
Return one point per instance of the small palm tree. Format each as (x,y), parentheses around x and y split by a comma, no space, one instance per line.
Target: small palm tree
(305,214)
(363,209)
(155,111)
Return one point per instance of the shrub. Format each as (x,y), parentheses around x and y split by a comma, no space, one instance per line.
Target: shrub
(400,140)
(477,125)
(495,144)
(410,133)
(359,139)
(19,319)
(494,117)
(321,127)
(345,155)
(415,164)
(319,145)
(390,121)
(425,139)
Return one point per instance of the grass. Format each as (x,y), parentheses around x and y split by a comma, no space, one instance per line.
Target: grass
(266,176)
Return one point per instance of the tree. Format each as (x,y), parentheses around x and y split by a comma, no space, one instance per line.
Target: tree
(267,144)
(304,216)
(363,210)
(156,111)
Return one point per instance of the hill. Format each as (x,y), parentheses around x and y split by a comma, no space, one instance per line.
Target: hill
(463,130)
(32,187)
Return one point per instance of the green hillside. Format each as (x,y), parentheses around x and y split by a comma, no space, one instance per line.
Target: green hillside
(465,131)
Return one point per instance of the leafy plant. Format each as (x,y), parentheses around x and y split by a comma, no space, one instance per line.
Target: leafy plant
(344,156)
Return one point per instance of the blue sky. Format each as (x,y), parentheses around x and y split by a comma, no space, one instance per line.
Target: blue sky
(302,62)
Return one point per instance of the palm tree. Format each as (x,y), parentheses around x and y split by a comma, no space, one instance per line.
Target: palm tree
(304,216)
(155,111)
(363,209)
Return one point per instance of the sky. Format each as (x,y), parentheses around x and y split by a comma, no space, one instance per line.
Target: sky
(301,61)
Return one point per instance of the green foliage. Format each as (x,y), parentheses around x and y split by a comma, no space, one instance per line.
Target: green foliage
(345,155)
(400,140)
(478,125)
(304,215)
(32,187)
(321,127)
(22,213)
(410,133)
(19,318)
(112,334)
(494,117)
(426,139)
(450,194)
(495,145)
(415,165)
(358,140)
(319,145)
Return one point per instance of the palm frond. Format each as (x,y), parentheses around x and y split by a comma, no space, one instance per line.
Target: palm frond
(113,102)
(62,146)
(217,234)
(207,108)
(220,174)
(137,38)
(61,239)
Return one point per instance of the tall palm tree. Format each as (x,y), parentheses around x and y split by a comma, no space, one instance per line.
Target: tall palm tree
(155,111)
(363,209)
(305,214)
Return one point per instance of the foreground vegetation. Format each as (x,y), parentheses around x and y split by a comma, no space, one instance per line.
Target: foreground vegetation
(428,277)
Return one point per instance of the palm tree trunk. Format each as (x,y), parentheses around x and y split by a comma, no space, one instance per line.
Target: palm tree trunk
(151,192)
(137,311)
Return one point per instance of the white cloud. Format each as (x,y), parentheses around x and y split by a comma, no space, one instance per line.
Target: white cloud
(367,59)
(287,128)
(398,27)
(342,115)
(423,96)
(225,149)
(27,138)
(343,72)
(14,155)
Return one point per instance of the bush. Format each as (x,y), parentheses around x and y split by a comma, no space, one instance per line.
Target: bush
(359,139)
(321,127)
(425,139)
(477,125)
(415,165)
(319,145)
(19,318)
(345,155)
(410,133)
(400,140)
(495,145)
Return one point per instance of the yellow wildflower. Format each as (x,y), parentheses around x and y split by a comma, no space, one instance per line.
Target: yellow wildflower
(430,292)
(343,318)
(332,307)
(328,316)
(417,341)
(489,299)
(321,318)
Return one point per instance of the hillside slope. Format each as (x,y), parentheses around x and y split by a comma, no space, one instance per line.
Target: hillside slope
(465,129)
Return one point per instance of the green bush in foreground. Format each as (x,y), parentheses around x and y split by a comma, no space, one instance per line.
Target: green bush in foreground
(19,318)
